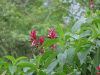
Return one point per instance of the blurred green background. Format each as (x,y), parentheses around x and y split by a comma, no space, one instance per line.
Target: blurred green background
(19,17)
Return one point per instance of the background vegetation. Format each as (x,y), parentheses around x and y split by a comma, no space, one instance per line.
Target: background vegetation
(19,17)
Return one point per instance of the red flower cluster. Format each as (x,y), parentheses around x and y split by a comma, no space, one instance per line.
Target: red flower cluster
(41,40)
(35,42)
(98,69)
(52,35)
(91,3)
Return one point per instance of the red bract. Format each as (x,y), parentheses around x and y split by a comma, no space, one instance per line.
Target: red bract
(31,40)
(98,67)
(33,34)
(33,44)
(41,40)
(92,6)
(51,33)
(92,2)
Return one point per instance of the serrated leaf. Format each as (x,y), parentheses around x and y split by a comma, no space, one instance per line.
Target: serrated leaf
(51,66)
(60,31)
(50,58)
(12,69)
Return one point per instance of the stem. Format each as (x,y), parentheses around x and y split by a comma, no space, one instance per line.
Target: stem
(37,72)
(78,67)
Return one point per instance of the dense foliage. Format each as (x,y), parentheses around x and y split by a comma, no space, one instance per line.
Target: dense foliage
(34,40)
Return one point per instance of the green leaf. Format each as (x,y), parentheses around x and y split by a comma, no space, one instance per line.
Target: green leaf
(11,58)
(1,59)
(89,20)
(49,43)
(94,32)
(26,69)
(80,44)
(82,56)
(67,37)
(12,69)
(98,12)
(96,61)
(41,72)
(67,70)
(62,58)
(38,62)
(50,58)
(77,25)
(51,66)
(62,43)
(70,54)
(60,73)
(59,49)
(60,31)
(23,64)
(19,59)
(44,56)
(84,34)
(4,72)
(34,57)
(84,68)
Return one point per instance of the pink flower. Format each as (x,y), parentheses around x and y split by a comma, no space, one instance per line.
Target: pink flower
(33,34)
(92,2)
(41,40)
(92,6)
(98,67)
